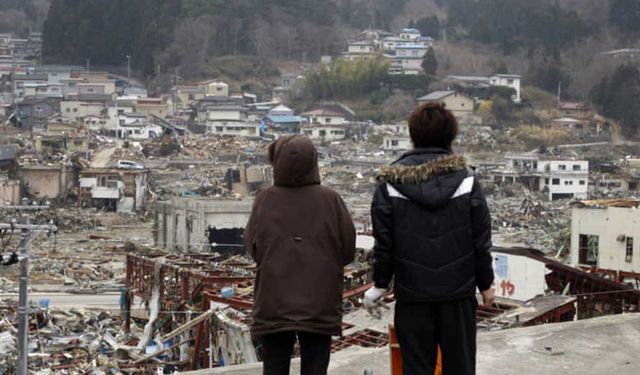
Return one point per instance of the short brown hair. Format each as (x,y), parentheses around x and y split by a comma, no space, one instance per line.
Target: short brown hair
(432,125)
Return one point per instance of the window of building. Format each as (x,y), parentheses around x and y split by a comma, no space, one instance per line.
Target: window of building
(582,182)
(568,183)
(562,167)
(629,255)
(394,142)
(327,120)
(322,133)
(577,167)
(75,110)
(555,181)
(546,181)
(89,90)
(68,109)
(588,248)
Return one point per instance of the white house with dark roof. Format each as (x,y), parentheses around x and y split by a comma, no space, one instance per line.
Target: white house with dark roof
(508,80)
(497,80)
(409,34)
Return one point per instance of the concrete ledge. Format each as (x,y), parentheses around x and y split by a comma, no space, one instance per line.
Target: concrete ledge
(607,345)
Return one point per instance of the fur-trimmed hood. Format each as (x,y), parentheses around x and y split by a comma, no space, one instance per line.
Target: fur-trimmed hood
(413,174)
(427,177)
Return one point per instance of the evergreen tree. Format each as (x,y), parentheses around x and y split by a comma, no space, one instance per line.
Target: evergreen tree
(430,63)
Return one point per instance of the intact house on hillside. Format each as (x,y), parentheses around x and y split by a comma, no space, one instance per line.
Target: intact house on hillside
(76,110)
(360,48)
(461,105)
(606,234)
(22,81)
(121,190)
(576,110)
(512,81)
(226,116)
(408,59)
(281,120)
(152,107)
(329,114)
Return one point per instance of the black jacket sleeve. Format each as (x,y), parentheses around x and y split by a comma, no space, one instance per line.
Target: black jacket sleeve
(481,231)
(382,220)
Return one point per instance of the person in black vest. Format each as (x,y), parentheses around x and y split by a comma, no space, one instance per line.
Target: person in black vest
(432,232)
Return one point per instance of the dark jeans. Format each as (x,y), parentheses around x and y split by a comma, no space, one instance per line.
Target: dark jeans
(422,326)
(314,352)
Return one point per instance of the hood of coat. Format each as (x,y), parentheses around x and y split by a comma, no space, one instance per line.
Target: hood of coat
(428,177)
(295,161)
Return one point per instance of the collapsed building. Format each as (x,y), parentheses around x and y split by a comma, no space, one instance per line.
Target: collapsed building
(557,178)
(198,224)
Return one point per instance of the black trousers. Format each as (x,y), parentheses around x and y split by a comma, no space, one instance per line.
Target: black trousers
(277,349)
(422,326)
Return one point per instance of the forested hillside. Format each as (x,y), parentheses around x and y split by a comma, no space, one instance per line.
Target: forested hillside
(186,33)
(20,16)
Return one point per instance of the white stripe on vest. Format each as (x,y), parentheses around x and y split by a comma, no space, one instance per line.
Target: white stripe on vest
(465,188)
(393,193)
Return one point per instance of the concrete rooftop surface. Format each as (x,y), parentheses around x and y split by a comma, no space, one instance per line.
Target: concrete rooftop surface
(607,345)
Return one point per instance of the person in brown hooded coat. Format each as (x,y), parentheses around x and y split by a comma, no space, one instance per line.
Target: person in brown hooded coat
(301,236)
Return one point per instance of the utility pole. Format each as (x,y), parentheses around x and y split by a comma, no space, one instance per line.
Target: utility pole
(13,82)
(27,231)
(128,67)
(88,65)
(559,92)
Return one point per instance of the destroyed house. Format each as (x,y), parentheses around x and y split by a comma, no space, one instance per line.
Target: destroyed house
(558,179)
(248,179)
(8,161)
(121,190)
(35,112)
(200,224)
(396,143)
(324,132)
(606,234)
(47,181)
(74,142)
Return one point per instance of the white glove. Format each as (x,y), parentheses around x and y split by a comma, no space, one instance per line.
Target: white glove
(373,301)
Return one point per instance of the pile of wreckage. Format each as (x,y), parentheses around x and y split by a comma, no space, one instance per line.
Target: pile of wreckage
(533,223)
(74,341)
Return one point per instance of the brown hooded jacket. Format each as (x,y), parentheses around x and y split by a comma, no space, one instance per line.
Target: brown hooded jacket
(301,236)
